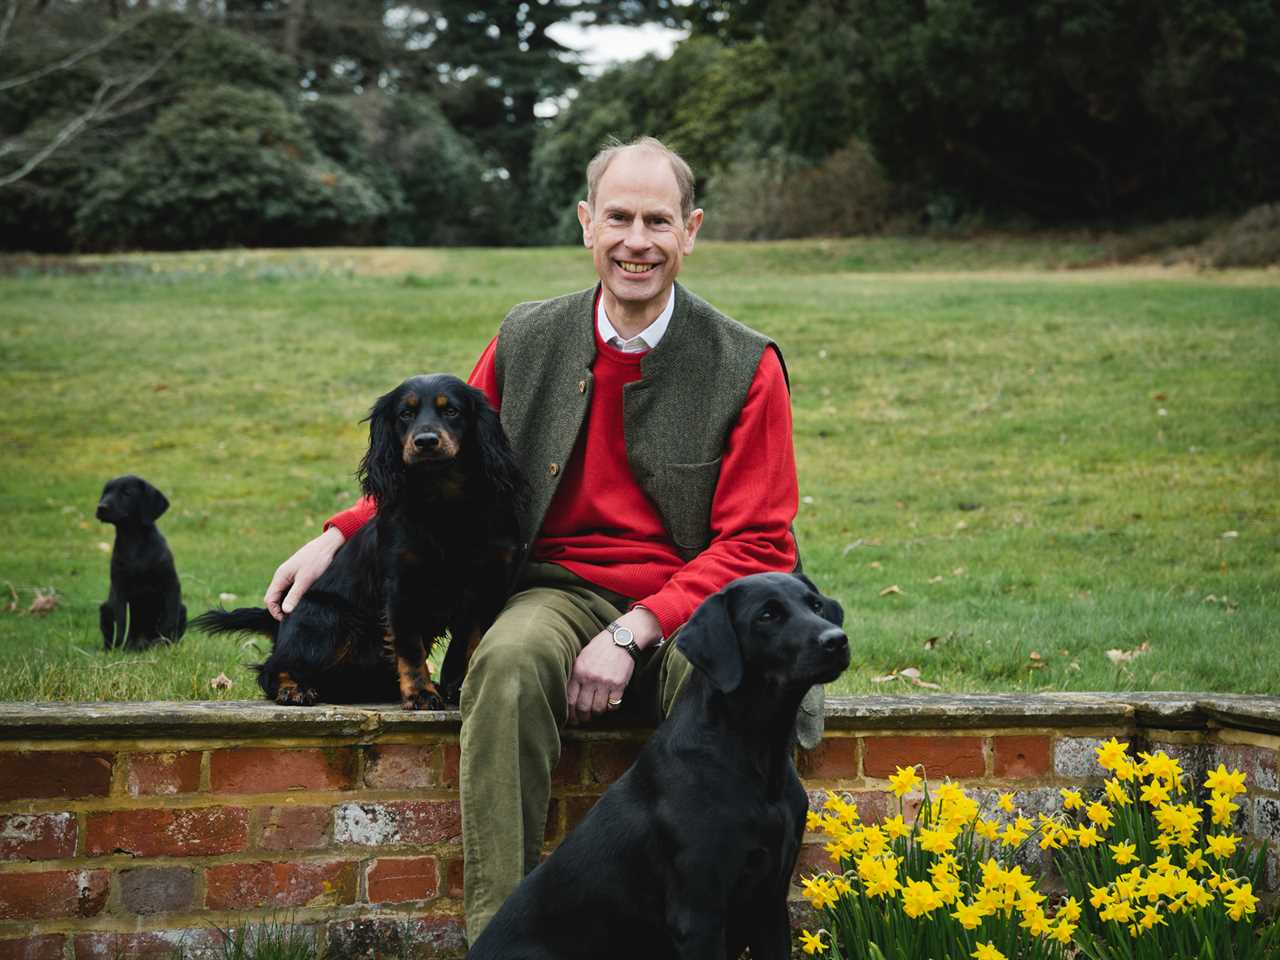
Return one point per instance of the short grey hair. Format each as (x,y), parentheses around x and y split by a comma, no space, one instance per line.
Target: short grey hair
(613,146)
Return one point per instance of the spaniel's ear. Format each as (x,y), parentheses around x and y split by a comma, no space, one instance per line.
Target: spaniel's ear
(151,503)
(382,469)
(710,643)
(497,460)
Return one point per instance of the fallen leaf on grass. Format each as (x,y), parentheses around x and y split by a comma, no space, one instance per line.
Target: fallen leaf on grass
(13,603)
(1124,656)
(895,590)
(1037,661)
(46,601)
(227,597)
(104,546)
(907,673)
(221,682)
(1231,535)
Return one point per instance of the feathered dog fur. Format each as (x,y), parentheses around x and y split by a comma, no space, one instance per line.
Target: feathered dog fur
(440,555)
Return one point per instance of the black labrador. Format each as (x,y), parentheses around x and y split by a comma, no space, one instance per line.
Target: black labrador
(144,605)
(690,853)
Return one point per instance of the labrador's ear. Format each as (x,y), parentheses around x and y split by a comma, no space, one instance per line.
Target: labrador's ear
(832,612)
(151,503)
(711,644)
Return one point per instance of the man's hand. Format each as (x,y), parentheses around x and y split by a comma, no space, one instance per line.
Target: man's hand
(603,669)
(301,570)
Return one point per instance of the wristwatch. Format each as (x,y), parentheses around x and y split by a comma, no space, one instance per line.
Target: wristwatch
(624,638)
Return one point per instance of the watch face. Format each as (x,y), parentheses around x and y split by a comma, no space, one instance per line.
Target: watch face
(623,637)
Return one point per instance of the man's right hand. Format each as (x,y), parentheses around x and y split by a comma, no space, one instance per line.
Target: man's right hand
(300,571)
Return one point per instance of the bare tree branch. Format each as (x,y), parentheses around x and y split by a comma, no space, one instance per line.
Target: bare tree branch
(106,106)
(10,14)
(68,61)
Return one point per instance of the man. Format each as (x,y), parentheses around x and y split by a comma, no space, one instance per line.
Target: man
(656,435)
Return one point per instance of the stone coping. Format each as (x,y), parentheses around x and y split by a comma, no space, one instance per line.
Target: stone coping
(258,720)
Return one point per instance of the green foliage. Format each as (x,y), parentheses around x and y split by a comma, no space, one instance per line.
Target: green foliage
(1251,241)
(224,166)
(1068,110)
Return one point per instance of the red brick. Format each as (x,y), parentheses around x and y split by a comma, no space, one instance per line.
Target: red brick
(54,894)
(568,770)
(575,809)
(450,758)
(149,890)
(610,759)
(34,775)
(264,770)
(163,774)
(47,947)
(398,822)
(403,880)
(399,766)
(1026,756)
(293,828)
(152,945)
(941,756)
(835,758)
(239,886)
(453,879)
(200,831)
(37,836)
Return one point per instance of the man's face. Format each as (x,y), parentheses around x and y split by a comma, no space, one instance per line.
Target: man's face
(637,236)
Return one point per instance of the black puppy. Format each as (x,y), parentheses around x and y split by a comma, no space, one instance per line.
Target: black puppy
(144,605)
(439,555)
(690,853)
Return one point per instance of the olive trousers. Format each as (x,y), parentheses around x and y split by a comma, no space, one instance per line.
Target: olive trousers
(514,706)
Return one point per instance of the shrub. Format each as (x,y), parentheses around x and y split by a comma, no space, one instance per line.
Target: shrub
(782,197)
(1251,241)
(224,166)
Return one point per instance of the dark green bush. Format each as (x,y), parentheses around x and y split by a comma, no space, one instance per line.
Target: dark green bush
(225,166)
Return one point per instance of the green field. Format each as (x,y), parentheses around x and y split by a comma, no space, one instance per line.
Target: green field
(1008,469)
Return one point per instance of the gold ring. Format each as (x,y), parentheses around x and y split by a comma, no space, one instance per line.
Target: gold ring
(615,703)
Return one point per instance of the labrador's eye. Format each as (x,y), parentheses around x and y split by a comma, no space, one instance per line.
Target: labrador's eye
(406,415)
(815,605)
(451,412)
(770,611)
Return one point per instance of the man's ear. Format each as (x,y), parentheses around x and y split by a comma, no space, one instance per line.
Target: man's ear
(691,228)
(711,644)
(584,218)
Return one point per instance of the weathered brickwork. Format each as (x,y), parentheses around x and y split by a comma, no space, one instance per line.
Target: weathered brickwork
(127,835)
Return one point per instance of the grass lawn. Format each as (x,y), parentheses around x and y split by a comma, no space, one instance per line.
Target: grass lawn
(1006,470)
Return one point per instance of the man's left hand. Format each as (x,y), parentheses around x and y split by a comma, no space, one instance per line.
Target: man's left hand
(603,669)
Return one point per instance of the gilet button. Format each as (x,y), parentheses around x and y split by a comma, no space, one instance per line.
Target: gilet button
(554,469)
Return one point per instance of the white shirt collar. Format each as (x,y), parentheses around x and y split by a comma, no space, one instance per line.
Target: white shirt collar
(647,338)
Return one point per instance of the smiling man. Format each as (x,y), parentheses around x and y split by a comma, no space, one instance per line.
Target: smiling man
(656,436)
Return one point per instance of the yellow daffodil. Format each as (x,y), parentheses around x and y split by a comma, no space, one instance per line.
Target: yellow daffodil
(1062,931)
(1220,781)
(987,829)
(1070,910)
(1110,753)
(936,841)
(1005,802)
(987,951)
(812,942)
(1124,853)
(1088,837)
(904,780)
(1012,836)
(1221,845)
(919,898)
(1155,793)
(895,827)
(1101,897)
(1071,799)
(1117,793)
(1035,922)
(1195,861)
(1150,918)
(1100,815)
(1241,902)
(1222,807)
(969,915)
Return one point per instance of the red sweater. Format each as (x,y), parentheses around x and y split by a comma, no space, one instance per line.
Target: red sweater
(603,527)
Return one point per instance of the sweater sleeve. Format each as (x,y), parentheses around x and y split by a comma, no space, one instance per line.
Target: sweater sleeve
(754,505)
(484,376)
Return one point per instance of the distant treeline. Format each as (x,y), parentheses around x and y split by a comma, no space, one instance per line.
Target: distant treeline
(130,124)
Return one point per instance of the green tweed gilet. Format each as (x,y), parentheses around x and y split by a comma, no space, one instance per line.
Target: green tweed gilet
(676,417)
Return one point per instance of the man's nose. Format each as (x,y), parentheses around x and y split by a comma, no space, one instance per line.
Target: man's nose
(638,234)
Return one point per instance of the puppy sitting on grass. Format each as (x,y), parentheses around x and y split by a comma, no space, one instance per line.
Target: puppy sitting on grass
(144,605)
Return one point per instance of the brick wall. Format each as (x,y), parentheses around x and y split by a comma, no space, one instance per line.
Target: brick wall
(126,830)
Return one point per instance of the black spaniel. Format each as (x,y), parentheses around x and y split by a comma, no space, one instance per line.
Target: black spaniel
(440,555)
